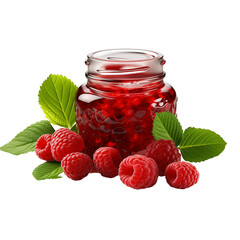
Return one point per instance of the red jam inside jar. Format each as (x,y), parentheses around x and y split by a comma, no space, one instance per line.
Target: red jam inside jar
(117,105)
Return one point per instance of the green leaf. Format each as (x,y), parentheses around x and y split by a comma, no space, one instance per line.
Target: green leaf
(166,126)
(26,140)
(200,144)
(48,170)
(57,99)
(74,128)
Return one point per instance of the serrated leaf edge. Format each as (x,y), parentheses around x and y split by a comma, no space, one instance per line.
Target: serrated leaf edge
(222,144)
(53,175)
(63,121)
(166,133)
(28,145)
(207,130)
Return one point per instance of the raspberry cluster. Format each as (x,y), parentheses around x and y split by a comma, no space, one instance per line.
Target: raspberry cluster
(138,171)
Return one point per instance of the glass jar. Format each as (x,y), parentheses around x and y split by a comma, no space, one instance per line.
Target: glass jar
(117,105)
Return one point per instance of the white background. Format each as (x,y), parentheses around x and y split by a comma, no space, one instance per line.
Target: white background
(200,41)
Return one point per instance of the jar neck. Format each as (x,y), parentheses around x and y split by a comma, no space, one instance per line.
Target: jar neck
(124,70)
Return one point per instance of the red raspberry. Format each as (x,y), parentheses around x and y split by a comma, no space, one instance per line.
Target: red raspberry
(77,165)
(107,160)
(181,175)
(163,152)
(138,171)
(43,147)
(65,141)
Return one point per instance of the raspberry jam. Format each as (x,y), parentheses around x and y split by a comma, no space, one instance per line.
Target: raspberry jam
(116,106)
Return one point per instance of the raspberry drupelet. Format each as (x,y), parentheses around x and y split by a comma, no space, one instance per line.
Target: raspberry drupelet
(107,160)
(181,175)
(43,147)
(65,141)
(77,165)
(163,152)
(138,171)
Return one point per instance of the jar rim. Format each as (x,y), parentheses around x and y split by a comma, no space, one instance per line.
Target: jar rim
(120,55)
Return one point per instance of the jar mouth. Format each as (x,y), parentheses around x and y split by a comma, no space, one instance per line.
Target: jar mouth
(122,55)
(123,64)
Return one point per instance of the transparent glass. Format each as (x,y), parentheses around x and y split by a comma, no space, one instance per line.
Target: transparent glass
(117,105)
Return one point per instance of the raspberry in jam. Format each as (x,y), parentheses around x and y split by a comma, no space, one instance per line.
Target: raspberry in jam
(117,105)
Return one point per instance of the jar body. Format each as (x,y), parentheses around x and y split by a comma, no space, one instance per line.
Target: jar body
(122,120)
